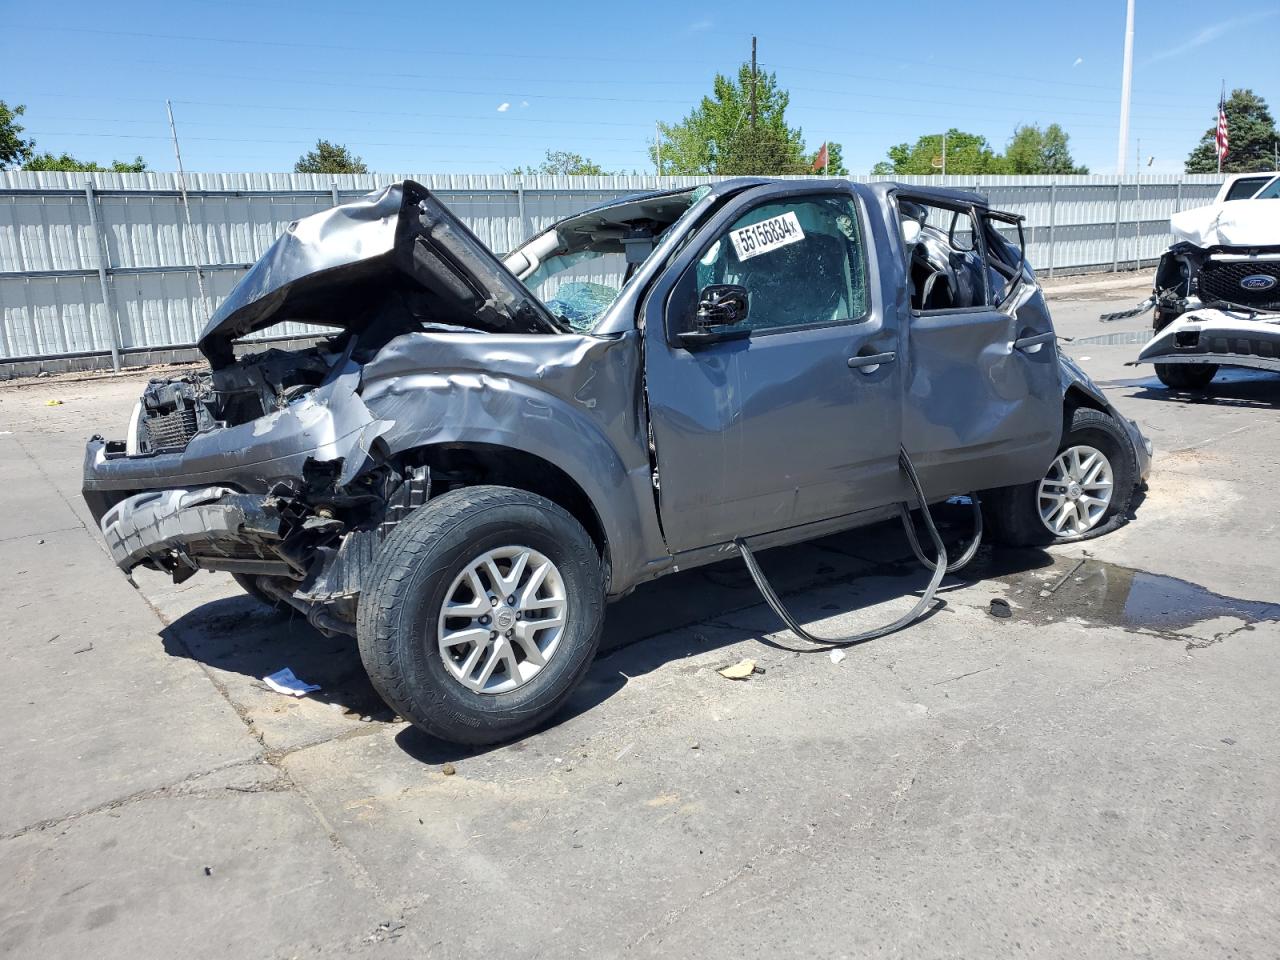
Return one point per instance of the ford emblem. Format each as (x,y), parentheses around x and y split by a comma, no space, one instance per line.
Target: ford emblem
(1259,281)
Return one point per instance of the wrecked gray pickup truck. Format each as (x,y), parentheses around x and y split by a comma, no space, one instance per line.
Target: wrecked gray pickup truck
(481,453)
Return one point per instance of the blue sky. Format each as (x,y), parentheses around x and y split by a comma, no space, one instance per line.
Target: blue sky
(483,87)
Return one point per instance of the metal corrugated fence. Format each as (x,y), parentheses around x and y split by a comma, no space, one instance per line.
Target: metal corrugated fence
(89,262)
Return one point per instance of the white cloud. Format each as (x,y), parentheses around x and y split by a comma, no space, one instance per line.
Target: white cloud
(699,26)
(1079,60)
(504,107)
(523,104)
(1209,34)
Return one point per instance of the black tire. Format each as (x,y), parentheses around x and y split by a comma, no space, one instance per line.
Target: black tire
(1012,514)
(1186,376)
(399,609)
(250,586)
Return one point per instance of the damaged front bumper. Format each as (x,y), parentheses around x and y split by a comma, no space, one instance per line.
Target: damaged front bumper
(170,529)
(299,500)
(1238,338)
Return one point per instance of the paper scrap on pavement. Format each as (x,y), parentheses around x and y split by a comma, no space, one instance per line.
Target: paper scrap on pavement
(284,681)
(837,656)
(738,671)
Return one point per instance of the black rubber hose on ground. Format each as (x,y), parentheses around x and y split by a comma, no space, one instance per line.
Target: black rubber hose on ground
(939,567)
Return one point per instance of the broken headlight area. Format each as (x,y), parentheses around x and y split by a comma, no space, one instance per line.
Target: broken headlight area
(308,543)
(171,412)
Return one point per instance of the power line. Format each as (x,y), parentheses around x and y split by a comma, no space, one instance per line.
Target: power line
(379,49)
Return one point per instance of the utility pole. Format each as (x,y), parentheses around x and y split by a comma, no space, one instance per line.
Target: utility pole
(753,83)
(657,143)
(1126,84)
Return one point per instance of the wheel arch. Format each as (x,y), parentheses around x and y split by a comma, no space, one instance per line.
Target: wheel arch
(468,463)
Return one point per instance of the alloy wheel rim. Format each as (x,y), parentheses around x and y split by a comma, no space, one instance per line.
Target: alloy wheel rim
(1076,492)
(502,619)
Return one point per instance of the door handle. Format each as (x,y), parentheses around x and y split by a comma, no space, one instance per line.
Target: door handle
(1032,344)
(871,362)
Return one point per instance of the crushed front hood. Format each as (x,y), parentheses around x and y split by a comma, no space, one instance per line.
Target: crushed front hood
(1240,223)
(334,268)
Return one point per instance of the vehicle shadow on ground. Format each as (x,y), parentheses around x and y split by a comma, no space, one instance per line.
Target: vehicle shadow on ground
(1230,388)
(710,608)
(678,616)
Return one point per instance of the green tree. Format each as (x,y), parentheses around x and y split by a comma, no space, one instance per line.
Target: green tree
(1032,150)
(1251,135)
(719,135)
(329,158)
(966,153)
(48,161)
(14,150)
(835,161)
(565,164)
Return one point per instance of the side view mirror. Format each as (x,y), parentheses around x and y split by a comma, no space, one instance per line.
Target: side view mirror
(719,305)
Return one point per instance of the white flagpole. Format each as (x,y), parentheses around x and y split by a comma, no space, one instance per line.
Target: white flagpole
(1126,84)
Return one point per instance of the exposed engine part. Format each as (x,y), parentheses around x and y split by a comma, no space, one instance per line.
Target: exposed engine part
(174,411)
(261,383)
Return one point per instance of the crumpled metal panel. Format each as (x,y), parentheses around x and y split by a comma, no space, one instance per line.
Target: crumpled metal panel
(148,525)
(396,233)
(329,423)
(572,400)
(1228,337)
(1239,223)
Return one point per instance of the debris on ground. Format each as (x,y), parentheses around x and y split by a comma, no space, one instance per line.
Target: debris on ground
(1000,608)
(286,682)
(739,671)
(448,769)
(388,930)
(837,656)
(53,403)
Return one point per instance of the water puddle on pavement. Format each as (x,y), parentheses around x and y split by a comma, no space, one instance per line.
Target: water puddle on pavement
(1105,594)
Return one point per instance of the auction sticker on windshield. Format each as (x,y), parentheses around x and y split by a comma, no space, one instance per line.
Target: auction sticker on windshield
(766,235)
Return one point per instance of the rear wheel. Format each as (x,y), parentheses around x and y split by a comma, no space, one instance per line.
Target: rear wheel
(484,612)
(1084,492)
(1186,376)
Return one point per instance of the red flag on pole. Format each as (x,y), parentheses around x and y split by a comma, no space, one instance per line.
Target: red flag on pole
(1222,140)
(822,159)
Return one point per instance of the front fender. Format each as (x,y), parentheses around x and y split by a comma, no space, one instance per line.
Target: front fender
(570,400)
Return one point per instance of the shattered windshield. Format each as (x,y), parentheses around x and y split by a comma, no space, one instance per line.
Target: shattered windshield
(579,287)
(579,268)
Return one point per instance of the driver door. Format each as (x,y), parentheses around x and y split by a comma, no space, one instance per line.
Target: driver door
(792,415)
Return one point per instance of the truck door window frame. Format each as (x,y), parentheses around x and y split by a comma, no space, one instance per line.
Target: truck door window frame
(953,207)
(981,219)
(679,319)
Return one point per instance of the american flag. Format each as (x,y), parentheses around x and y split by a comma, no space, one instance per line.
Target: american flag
(1222,141)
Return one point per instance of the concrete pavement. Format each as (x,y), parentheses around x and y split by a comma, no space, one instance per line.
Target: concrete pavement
(1095,776)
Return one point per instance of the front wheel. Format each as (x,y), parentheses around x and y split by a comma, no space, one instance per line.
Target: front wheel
(1186,376)
(1084,492)
(483,612)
